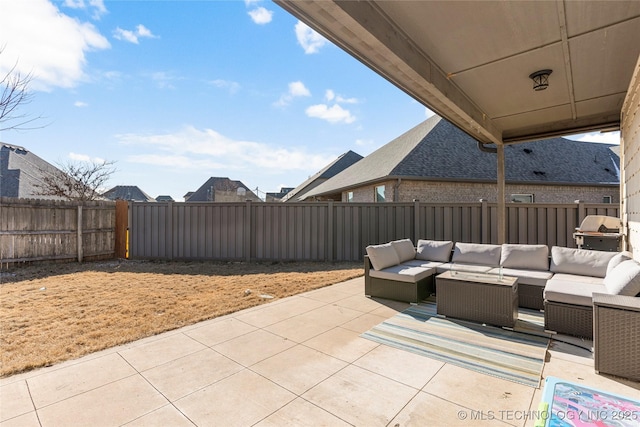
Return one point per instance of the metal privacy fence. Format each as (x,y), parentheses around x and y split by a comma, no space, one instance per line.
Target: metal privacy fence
(331,231)
(38,230)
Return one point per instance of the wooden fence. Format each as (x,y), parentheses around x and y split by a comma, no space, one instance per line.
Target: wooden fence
(331,231)
(37,230)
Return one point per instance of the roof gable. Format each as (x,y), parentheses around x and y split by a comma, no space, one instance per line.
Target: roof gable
(22,172)
(128,192)
(332,169)
(221,184)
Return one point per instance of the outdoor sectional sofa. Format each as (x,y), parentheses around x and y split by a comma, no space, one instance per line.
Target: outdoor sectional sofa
(409,276)
(562,284)
(577,275)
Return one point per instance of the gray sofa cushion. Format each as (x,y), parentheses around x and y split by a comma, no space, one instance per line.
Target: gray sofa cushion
(624,279)
(422,263)
(617,259)
(528,257)
(580,261)
(577,278)
(405,249)
(570,292)
(476,253)
(525,277)
(403,273)
(382,256)
(434,250)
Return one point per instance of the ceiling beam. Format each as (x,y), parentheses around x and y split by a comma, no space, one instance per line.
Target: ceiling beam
(376,42)
(562,19)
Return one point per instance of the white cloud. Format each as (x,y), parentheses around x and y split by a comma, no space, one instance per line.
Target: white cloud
(231,86)
(309,39)
(193,149)
(601,137)
(133,36)
(96,5)
(333,114)
(80,104)
(85,158)
(296,89)
(330,95)
(41,40)
(260,15)
(164,79)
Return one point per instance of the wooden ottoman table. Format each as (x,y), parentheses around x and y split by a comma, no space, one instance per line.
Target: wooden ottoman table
(479,297)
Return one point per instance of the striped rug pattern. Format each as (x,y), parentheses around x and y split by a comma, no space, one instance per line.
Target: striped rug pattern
(516,355)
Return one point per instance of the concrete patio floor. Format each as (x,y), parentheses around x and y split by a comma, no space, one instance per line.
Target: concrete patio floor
(295,361)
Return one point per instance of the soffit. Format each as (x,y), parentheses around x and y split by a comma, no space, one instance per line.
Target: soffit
(470,61)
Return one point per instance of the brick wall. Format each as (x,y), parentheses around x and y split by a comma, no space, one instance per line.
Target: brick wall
(458,192)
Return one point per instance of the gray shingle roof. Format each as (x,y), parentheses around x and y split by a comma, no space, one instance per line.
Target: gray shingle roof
(332,169)
(437,150)
(21,173)
(128,192)
(202,194)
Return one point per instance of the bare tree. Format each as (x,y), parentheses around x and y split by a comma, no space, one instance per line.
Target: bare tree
(79,181)
(15,93)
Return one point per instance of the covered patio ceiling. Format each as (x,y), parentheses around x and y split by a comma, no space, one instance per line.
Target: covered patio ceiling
(470,61)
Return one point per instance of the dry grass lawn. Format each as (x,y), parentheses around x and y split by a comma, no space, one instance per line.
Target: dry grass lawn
(55,312)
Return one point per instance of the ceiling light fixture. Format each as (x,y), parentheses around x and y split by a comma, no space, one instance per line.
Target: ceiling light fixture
(540,79)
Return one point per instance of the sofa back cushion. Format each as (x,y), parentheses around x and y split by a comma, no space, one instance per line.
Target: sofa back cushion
(617,259)
(581,262)
(624,279)
(476,253)
(527,257)
(382,256)
(434,250)
(405,249)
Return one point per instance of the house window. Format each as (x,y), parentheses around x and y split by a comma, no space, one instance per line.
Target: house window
(606,199)
(380,193)
(522,198)
(350,196)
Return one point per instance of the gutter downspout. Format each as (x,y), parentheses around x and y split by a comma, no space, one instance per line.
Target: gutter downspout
(484,148)
(396,186)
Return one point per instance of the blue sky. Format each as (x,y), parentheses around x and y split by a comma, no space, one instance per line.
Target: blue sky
(178,91)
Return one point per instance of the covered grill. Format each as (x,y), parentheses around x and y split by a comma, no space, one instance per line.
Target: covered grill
(600,233)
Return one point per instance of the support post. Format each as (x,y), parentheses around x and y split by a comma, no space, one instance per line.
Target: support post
(484,221)
(416,221)
(502,205)
(80,254)
(169,228)
(122,223)
(247,232)
(330,233)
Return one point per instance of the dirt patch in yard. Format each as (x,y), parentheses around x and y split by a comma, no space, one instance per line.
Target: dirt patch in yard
(55,312)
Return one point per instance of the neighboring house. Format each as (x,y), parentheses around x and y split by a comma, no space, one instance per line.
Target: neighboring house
(22,172)
(276,197)
(422,165)
(164,199)
(218,189)
(128,192)
(188,195)
(344,161)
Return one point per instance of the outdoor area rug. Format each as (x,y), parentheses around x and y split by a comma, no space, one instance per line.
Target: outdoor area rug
(516,355)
